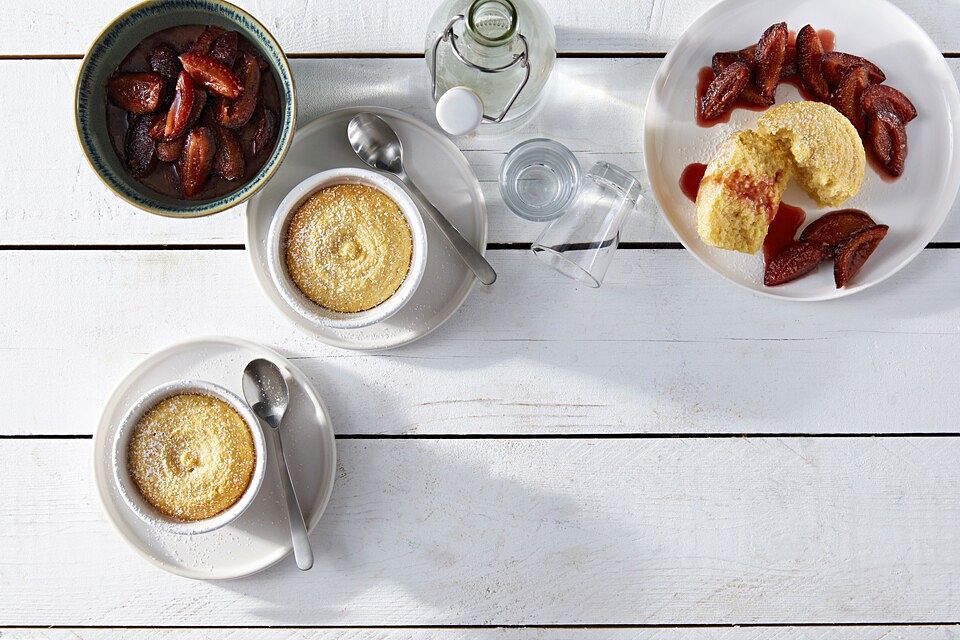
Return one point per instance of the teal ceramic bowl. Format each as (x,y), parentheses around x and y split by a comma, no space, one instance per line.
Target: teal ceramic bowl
(113,45)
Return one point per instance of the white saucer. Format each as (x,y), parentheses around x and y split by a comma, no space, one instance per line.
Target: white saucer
(914,206)
(441,172)
(260,537)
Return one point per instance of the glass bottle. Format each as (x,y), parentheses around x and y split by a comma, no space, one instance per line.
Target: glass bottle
(489,60)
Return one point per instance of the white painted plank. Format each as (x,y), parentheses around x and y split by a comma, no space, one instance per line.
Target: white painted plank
(664,346)
(400,25)
(78,209)
(51,196)
(436,532)
(928,632)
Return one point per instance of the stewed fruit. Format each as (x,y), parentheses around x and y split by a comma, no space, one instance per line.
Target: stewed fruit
(850,83)
(888,141)
(192,110)
(849,236)
(833,229)
(196,160)
(233,114)
(854,253)
(724,89)
(881,97)
(212,74)
(847,95)
(136,93)
(770,54)
(810,62)
(795,260)
(836,63)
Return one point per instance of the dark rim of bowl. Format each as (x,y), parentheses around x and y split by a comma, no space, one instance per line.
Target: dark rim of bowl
(250,25)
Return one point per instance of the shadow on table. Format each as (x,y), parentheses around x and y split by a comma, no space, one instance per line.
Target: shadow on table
(373,82)
(438,531)
(667,347)
(579,39)
(458,532)
(450,531)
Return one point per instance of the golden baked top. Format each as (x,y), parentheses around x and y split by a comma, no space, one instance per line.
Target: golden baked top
(191,456)
(825,148)
(348,247)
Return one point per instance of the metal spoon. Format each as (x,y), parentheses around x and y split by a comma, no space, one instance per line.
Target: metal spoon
(267,394)
(378,145)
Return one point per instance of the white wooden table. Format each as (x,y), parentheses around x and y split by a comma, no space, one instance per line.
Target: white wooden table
(666,457)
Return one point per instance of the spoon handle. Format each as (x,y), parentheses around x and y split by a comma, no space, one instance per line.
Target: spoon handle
(473,258)
(298,529)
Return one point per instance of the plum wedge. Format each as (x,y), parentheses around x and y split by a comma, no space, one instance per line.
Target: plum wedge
(881,97)
(196,160)
(769,57)
(846,98)
(796,260)
(212,74)
(888,141)
(136,93)
(834,229)
(836,63)
(724,89)
(810,62)
(854,253)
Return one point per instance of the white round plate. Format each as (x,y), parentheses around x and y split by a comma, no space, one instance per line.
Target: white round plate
(260,537)
(914,206)
(442,173)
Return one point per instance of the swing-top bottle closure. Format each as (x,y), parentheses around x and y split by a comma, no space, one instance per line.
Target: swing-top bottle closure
(460,110)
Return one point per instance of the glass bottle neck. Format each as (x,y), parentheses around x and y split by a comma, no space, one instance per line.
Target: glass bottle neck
(491,23)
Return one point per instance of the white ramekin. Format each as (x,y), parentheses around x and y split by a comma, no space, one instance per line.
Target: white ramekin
(276,239)
(128,489)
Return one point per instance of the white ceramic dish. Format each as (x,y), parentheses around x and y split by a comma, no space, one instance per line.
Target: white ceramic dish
(443,174)
(915,206)
(276,239)
(260,536)
(128,489)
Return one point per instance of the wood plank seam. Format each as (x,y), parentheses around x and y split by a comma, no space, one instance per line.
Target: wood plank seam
(491,246)
(570,627)
(372,55)
(563,436)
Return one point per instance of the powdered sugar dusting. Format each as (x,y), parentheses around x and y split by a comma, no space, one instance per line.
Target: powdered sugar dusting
(348,247)
(191,456)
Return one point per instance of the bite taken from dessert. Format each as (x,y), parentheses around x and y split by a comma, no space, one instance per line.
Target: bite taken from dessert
(823,143)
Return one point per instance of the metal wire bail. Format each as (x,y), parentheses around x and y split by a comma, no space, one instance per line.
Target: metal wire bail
(521,59)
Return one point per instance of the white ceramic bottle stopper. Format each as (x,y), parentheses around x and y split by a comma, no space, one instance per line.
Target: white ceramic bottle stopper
(459,111)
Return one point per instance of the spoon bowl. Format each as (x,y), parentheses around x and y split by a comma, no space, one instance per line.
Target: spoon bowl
(376,143)
(266,390)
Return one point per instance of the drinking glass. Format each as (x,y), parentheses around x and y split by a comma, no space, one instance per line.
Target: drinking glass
(580,243)
(538,179)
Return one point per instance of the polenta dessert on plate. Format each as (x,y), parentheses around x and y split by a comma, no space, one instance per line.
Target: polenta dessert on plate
(825,149)
(741,190)
(744,182)
(822,142)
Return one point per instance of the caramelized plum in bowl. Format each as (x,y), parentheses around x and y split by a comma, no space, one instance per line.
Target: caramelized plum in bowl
(185,107)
